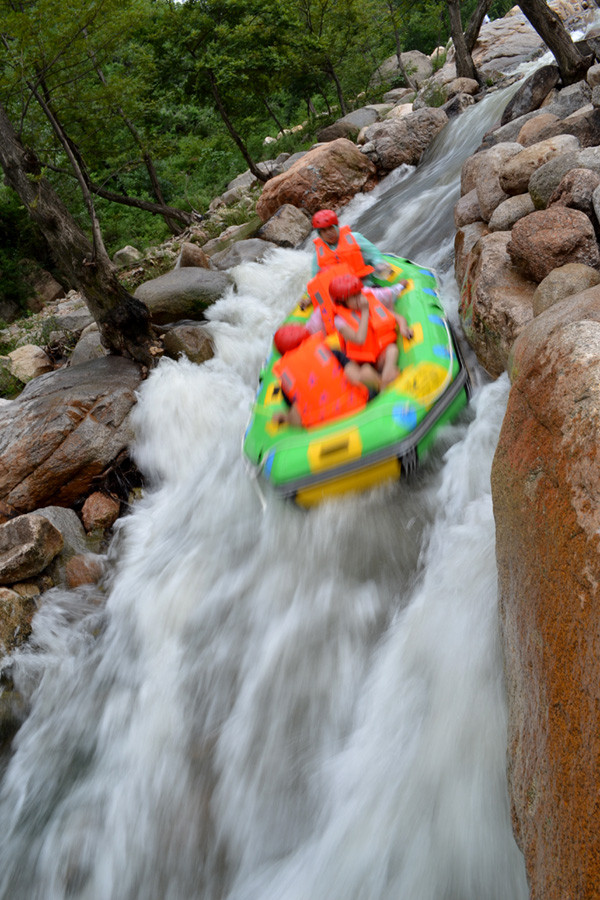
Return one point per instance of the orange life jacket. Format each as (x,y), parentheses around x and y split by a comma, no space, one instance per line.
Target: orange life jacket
(312,378)
(318,291)
(382,330)
(347,251)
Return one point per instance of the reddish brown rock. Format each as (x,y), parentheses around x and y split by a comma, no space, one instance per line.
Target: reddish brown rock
(514,174)
(100,511)
(87,569)
(549,238)
(27,545)
(65,429)
(328,176)
(496,302)
(191,255)
(476,167)
(546,494)
(529,133)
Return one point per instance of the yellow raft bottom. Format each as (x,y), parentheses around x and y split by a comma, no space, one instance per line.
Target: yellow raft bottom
(355,481)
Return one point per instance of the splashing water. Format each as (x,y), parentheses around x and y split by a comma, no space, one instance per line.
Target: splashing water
(279,705)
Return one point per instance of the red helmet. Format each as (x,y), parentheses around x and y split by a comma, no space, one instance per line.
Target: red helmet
(288,337)
(344,286)
(324,218)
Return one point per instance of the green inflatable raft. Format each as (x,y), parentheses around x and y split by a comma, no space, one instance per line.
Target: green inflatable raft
(387,437)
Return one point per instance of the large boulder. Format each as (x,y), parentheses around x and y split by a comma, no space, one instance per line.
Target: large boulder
(495,303)
(327,176)
(482,172)
(546,496)
(510,211)
(467,210)
(532,93)
(397,142)
(251,250)
(289,227)
(515,173)
(544,182)
(505,43)
(28,544)
(418,66)
(63,431)
(16,613)
(28,362)
(547,239)
(464,241)
(189,339)
(574,278)
(584,124)
(182,294)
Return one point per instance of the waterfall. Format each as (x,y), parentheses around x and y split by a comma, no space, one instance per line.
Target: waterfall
(277,704)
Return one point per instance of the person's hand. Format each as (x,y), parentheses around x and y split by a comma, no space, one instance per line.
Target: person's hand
(304,301)
(363,303)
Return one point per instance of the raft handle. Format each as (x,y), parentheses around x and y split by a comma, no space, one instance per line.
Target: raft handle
(334,448)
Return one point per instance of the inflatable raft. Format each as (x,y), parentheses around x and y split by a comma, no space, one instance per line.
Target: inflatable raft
(391,433)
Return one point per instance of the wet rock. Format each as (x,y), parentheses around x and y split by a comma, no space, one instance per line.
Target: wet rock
(583,124)
(495,303)
(510,211)
(532,93)
(547,239)
(16,613)
(289,227)
(65,429)
(328,176)
(28,544)
(87,569)
(563,282)
(465,239)
(182,294)
(100,511)
(515,173)
(252,250)
(546,496)
(188,339)
(482,172)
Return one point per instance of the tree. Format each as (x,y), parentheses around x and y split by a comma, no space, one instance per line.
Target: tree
(464,42)
(124,321)
(548,25)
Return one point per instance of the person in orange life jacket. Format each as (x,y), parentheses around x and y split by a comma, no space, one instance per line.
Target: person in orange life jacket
(385,295)
(327,392)
(340,245)
(368,328)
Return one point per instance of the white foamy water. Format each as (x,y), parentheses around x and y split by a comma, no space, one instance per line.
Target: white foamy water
(278,705)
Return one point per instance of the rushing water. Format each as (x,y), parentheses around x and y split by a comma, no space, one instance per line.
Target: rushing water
(277,705)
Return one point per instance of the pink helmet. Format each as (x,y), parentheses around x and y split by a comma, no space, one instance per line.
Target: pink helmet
(344,286)
(324,218)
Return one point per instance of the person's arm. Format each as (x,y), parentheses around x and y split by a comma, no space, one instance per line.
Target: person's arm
(315,322)
(388,295)
(403,328)
(372,255)
(359,335)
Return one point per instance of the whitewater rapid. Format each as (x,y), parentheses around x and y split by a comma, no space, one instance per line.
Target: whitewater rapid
(264,702)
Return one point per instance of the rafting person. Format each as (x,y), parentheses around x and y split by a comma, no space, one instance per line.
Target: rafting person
(319,383)
(367,327)
(336,244)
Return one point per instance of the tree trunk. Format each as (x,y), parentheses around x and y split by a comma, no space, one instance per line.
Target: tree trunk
(475,23)
(124,321)
(338,87)
(262,176)
(571,63)
(272,114)
(465,67)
